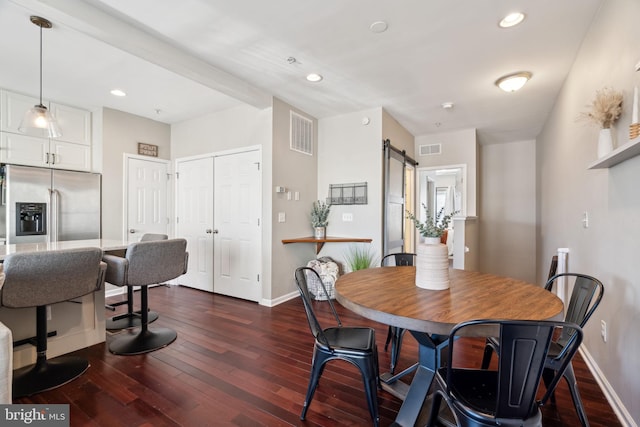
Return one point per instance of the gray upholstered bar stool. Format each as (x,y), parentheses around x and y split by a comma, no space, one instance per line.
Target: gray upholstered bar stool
(131,319)
(144,264)
(38,279)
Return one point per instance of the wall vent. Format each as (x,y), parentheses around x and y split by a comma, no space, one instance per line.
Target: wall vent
(430,149)
(301,134)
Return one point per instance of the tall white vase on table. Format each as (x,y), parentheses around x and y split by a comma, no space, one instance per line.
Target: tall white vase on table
(432,265)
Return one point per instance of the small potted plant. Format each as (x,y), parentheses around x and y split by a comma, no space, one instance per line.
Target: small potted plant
(320,218)
(432,229)
(432,257)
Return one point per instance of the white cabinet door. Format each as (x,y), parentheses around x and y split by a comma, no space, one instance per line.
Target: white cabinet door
(65,155)
(71,151)
(13,106)
(23,150)
(74,122)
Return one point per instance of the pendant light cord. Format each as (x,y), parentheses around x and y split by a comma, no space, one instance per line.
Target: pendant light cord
(40,64)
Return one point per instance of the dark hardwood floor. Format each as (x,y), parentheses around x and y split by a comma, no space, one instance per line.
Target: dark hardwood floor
(238,363)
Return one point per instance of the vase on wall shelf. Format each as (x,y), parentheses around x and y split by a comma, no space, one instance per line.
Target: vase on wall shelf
(605,142)
(320,232)
(432,265)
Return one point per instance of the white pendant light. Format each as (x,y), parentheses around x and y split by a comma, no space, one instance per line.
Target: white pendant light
(38,120)
(513,82)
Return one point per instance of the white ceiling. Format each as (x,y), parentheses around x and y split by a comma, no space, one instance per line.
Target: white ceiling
(191,57)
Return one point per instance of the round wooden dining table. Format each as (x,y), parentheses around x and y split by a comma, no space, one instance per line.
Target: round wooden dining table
(389,295)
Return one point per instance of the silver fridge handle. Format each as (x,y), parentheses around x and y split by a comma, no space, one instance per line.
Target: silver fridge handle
(54,220)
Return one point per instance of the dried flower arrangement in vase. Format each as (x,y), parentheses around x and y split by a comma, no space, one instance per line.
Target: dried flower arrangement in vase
(604,110)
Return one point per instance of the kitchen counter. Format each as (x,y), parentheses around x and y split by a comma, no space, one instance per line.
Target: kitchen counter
(79,323)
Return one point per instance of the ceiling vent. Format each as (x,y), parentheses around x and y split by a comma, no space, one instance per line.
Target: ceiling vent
(301,134)
(430,149)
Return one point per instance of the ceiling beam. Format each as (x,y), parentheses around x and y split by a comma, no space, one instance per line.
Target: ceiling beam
(84,17)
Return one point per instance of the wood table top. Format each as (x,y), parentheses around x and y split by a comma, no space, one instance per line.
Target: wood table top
(389,295)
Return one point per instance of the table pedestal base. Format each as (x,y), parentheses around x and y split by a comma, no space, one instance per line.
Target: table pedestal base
(430,358)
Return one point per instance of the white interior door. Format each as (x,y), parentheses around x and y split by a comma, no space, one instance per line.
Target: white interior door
(237,208)
(146,198)
(194,222)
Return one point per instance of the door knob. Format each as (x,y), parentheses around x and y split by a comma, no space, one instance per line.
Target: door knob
(131,230)
(215,231)
(208,231)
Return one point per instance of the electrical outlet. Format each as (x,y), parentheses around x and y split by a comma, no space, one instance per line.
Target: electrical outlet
(603,330)
(585,219)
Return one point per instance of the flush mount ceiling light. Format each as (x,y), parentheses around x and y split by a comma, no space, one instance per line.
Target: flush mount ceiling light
(447,105)
(513,82)
(511,20)
(38,120)
(118,92)
(314,78)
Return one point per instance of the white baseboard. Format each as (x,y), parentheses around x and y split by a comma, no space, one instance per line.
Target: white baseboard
(618,407)
(280,300)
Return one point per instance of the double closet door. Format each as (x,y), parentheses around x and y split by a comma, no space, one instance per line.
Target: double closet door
(218,211)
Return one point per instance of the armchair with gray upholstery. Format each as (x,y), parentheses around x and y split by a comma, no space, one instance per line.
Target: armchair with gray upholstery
(144,264)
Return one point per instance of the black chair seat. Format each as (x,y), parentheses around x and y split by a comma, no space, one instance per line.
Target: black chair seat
(352,338)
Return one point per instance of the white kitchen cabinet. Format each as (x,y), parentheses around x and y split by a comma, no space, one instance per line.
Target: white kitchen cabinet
(74,122)
(71,151)
(32,151)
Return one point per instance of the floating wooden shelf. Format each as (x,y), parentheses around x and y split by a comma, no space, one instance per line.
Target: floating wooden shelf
(320,242)
(620,154)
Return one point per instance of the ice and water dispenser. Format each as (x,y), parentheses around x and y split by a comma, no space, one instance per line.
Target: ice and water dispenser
(31,219)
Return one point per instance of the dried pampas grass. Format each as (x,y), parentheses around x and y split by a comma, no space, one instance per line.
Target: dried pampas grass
(605,108)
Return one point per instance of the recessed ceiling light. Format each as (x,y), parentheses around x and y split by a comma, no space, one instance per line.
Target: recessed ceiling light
(513,82)
(447,105)
(118,92)
(511,20)
(378,27)
(313,77)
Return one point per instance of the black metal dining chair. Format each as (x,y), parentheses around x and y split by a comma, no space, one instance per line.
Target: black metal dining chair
(585,298)
(395,334)
(356,345)
(506,396)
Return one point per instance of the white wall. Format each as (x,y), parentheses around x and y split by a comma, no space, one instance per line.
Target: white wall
(609,248)
(350,152)
(508,210)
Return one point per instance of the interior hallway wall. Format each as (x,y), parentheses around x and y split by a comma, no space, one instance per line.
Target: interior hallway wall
(508,210)
(608,249)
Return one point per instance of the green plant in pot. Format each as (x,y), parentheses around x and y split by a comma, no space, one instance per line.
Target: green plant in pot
(320,218)
(359,257)
(432,228)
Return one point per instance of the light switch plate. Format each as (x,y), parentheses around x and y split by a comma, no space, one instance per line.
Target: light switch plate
(282,217)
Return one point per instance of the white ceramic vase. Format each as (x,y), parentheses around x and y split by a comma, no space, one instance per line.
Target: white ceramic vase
(432,265)
(605,142)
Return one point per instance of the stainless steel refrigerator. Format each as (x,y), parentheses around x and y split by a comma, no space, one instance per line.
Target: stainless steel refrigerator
(49,205)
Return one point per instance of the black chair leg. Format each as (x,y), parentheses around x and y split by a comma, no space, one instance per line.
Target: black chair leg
(45,374)
(145,340)
(319,360)
(570,376)
(486,357)
(130,319)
